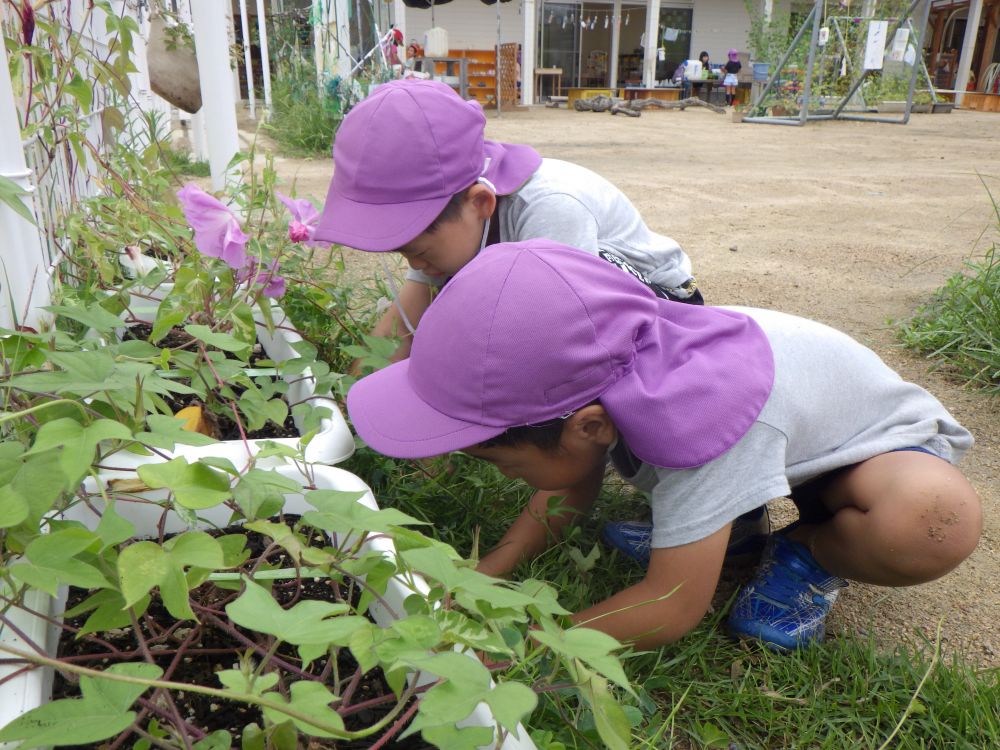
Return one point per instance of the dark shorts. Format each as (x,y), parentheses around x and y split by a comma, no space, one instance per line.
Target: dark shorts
(691,296)
(808,497)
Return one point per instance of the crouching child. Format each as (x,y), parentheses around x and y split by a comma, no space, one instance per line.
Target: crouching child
(548,363)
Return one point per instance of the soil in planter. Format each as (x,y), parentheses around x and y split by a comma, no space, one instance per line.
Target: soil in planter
(226,426)
(211,649)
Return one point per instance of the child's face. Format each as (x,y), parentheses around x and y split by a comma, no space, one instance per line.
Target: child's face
(581,450)
(444,251)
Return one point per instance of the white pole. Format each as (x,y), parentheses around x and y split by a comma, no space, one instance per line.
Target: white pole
(399,17)
(24,278)
(652,43)
(247,62)
(616,41)
(968,49)
(498,78)
(265,58)
(769,10)
(211,41)
(342,34)
(528,53)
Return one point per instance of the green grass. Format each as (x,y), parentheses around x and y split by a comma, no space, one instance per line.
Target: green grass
(960,327)
(302,123)
(182,164)
(705,691)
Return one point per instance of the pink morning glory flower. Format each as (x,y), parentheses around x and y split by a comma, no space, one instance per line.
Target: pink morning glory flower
(274,285)
(217,231)
(305,217)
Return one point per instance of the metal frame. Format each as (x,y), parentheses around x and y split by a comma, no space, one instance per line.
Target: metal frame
(815,17)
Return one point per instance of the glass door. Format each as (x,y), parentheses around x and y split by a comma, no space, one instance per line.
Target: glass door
(559,39)
(675,38)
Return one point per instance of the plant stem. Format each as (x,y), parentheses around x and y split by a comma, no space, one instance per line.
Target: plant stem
(261,701)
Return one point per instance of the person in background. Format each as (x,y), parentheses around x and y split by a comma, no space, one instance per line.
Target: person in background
(731,82)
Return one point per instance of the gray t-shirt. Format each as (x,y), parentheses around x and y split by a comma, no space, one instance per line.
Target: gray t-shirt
(570,204)
(834,403)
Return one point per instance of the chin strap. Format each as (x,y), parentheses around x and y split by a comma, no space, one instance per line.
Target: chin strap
(395,295)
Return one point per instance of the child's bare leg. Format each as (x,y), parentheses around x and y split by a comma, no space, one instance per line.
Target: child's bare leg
(900,518)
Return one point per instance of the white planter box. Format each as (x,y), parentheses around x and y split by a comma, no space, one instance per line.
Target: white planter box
(331,445)
(32,689)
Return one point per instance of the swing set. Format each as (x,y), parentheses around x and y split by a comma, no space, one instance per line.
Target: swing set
(849,63)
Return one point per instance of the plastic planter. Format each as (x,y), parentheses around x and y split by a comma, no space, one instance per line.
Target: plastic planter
(31,689)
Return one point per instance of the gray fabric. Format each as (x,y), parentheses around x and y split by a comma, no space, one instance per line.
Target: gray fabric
(834,403)
(572,205)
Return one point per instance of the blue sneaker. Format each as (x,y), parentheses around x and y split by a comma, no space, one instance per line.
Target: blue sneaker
(786,603)
(746,540)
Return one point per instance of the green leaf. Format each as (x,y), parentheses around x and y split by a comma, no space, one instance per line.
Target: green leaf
(52,562)
(101,712)
(340,512)
(312,699)
(222,341)
(93,316)
(81,91)
(458,738)
(511,702)
(31,485)
(113,529)
(141,566)
(195,548)
(166,432)
(237,681)
(174,592)
(11,195)
(261,493)
(78,443)
(195,486)
(13,505)
(218,740)
(589,646)
(308,622)
(611,721)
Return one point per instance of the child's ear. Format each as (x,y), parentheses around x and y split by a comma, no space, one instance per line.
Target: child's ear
(592,424)
(483,200)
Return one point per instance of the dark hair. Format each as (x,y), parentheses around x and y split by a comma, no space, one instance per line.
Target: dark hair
(704,54)
(543,435)
(450,211)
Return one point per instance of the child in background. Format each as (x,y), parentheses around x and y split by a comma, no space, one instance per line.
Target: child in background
(414,174)
(546,362)
(731,82)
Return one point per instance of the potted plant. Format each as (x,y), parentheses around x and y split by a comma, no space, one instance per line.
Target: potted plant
(137,549)
(93,488)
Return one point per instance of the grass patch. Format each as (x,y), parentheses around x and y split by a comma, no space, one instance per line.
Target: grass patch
(705,691)
(302,123)
(960,326)
(181,163)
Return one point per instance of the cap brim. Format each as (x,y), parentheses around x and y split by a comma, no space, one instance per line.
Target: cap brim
(376,227)
(391,418)
(510,165)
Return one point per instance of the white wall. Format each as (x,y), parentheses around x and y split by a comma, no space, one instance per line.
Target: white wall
(717,26)
(470,24)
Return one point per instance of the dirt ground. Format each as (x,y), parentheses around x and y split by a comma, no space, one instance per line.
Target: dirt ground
(852,224)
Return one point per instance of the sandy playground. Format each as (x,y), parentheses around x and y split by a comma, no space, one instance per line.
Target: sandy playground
(852,224)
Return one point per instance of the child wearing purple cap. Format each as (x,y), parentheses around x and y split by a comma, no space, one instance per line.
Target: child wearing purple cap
(548,363)
(731,81)
(414,173)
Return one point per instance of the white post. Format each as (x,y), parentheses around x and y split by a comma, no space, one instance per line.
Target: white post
(968,49)
(247,62)
(211,41)
(652,43)
(616,41)
(265,58)
(399,17)
(528,61)
(768,10)
(24,278)
(342,35)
